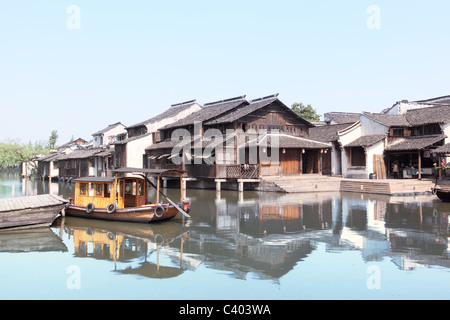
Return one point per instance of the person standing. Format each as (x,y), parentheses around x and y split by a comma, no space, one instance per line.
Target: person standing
(395,169)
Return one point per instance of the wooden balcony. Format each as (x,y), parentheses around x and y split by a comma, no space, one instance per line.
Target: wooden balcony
(217,171)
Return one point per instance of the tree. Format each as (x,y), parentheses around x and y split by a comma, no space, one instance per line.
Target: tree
(306,112)
(53,138)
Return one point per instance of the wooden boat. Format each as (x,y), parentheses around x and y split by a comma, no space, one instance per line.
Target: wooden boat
(30,212)
(442,191)
(125,198)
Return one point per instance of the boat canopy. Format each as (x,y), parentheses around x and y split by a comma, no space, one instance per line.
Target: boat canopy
(95,179)
(147,171)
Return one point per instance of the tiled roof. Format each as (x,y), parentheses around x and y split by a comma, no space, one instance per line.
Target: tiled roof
(255,105)
(171,112)
(444,149)
(438,100)
(98,133)
(209,112)
(243,110)
(288,141)
(83,154)
(423,116)
(414,143)
(125,141)
(388,120)
(342,117)
(327,133)
(366,141)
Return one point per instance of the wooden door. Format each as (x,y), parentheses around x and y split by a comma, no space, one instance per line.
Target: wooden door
(290,161)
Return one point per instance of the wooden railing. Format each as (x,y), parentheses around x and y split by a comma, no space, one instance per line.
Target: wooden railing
(243,171)
(220,171)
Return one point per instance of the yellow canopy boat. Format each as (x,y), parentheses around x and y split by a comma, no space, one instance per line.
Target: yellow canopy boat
(125,198)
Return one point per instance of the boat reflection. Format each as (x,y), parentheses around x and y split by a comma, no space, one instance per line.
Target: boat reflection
(31,240)
(132,248)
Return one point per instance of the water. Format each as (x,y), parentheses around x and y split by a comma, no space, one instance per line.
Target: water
(249,246)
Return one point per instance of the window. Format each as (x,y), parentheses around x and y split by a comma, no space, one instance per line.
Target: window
(83,189)
(141,188)
(358,157)
(91,189)
(99,190)
(107,188)
(398,132)
(130,188)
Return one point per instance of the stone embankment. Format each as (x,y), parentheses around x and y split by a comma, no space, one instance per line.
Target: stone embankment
(319,183)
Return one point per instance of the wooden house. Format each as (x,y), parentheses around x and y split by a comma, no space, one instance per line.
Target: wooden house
(129,152)
(372,145)
(236,140)
(108,135)
(88,162)
(48,167)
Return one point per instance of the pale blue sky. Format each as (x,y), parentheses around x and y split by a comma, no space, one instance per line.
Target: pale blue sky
(130,60)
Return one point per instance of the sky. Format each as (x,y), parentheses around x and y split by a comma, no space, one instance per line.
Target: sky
(77,66)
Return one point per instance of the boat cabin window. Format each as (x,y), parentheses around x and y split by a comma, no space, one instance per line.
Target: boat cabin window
(141,188)
(91,190)
(83,188)
(107,188)
(130,188)
(99,190)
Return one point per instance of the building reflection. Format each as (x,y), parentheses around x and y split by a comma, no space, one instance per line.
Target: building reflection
(269,234)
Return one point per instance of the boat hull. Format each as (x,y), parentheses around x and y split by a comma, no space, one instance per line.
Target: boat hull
(443,195)
(29,218)
(144,214)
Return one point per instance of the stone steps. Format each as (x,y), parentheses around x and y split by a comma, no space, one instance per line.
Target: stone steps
(318,183)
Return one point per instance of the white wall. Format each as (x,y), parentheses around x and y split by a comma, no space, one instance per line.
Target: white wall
(377,148)
(446,130)
(107,136)
(345,137)
(136,150)
(370,127)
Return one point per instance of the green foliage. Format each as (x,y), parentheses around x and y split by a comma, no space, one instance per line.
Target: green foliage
(52,139)
(12,152)
(306,112)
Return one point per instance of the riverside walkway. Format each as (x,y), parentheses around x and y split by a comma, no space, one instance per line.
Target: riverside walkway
(319,183)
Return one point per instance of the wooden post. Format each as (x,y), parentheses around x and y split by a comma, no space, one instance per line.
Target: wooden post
(157,189)
(181,253)
(241,186)
(420,167)
(181,188)
(301,161)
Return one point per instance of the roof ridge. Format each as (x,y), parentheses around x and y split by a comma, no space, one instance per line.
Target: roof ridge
(183,103)
(226,100)
(265,98)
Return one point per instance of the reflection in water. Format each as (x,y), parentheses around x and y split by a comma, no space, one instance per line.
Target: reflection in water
(300,242)
(127,243)
(268,234)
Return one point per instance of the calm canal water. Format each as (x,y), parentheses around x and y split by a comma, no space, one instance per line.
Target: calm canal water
(249,246)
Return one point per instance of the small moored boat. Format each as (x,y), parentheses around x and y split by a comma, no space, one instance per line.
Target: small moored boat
(442,191)
(125,198)
(30,212)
